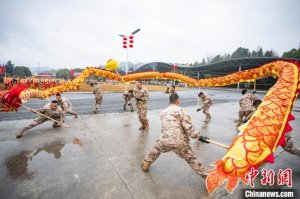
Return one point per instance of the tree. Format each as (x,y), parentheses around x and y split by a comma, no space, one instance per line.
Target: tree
(63,73)
(217,58)
(254,53)
(240,53)
(270,53)
(260,52)
(203,62)
(9,68)
(292,54)
(196,63)
(22,71)
(78,69)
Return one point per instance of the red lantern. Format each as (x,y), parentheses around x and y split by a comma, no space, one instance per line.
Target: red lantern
(124,38)
(130,37)
(124,46)
(131,46)
(124,42)
(131,41)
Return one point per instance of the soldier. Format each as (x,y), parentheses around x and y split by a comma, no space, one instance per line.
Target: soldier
(36,83)
(172,91)
(207,102)
(98,96)
(6,83)
(176,128)
(66,105)
(53,82)
(127,99)
(52,110)
(255,96)
(289,145)
(141,97)
(11,82)
(246,107)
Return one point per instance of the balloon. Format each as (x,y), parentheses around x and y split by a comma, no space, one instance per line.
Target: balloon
(112,64)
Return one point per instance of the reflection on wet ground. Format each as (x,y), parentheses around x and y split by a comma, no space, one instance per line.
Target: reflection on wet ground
(17,165)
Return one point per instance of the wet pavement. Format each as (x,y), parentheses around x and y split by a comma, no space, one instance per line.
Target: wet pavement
(100,156)
(113,102)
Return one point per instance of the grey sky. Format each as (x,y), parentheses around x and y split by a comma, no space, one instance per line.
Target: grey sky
(79,33)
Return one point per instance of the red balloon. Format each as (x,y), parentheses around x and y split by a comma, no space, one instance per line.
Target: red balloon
(131,46)
(131,41)
(131,37)
(124,42)
(124,38)
(124,46)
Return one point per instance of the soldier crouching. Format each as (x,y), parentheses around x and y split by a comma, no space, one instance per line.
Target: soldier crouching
(177,127)
(52,110)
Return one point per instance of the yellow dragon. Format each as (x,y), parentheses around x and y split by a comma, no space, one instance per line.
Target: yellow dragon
(260,135)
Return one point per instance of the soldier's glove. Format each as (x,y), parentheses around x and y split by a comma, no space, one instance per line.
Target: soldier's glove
(204,139)
(199,109)
(130,91)
(138,99)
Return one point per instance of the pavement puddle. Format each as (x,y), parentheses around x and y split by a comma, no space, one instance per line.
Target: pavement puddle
(27,163)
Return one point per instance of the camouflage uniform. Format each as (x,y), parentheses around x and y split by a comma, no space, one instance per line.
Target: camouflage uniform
(255,97)
(141,98)
(289,146)
(127,100)
(177,127)
(56,114)
(207,102)
(172,91)
(246,107)
(98,96)
(66,106)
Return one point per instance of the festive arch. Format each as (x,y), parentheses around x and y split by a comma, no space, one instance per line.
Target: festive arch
(260,136)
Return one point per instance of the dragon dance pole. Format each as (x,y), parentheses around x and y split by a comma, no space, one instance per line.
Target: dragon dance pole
(44,115)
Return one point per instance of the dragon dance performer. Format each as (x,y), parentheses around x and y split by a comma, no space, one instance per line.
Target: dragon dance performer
(36,83)
(127,95)
(246,107)
(53,82)
(177,127)
(98,96)
(66,105)
(51,110)
(141,97)
(8,83)
(172,90)
(207,102)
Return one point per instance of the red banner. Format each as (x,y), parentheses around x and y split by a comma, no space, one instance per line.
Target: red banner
(2,69)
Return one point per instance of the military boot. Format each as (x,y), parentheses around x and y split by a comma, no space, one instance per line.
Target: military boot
(55,124)
(146,126)
(95,110)
(146,165)
(142,126)
(207,119)
(124,107)
(20,133)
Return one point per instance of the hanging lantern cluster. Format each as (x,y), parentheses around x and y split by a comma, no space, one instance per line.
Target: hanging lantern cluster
(128,42)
